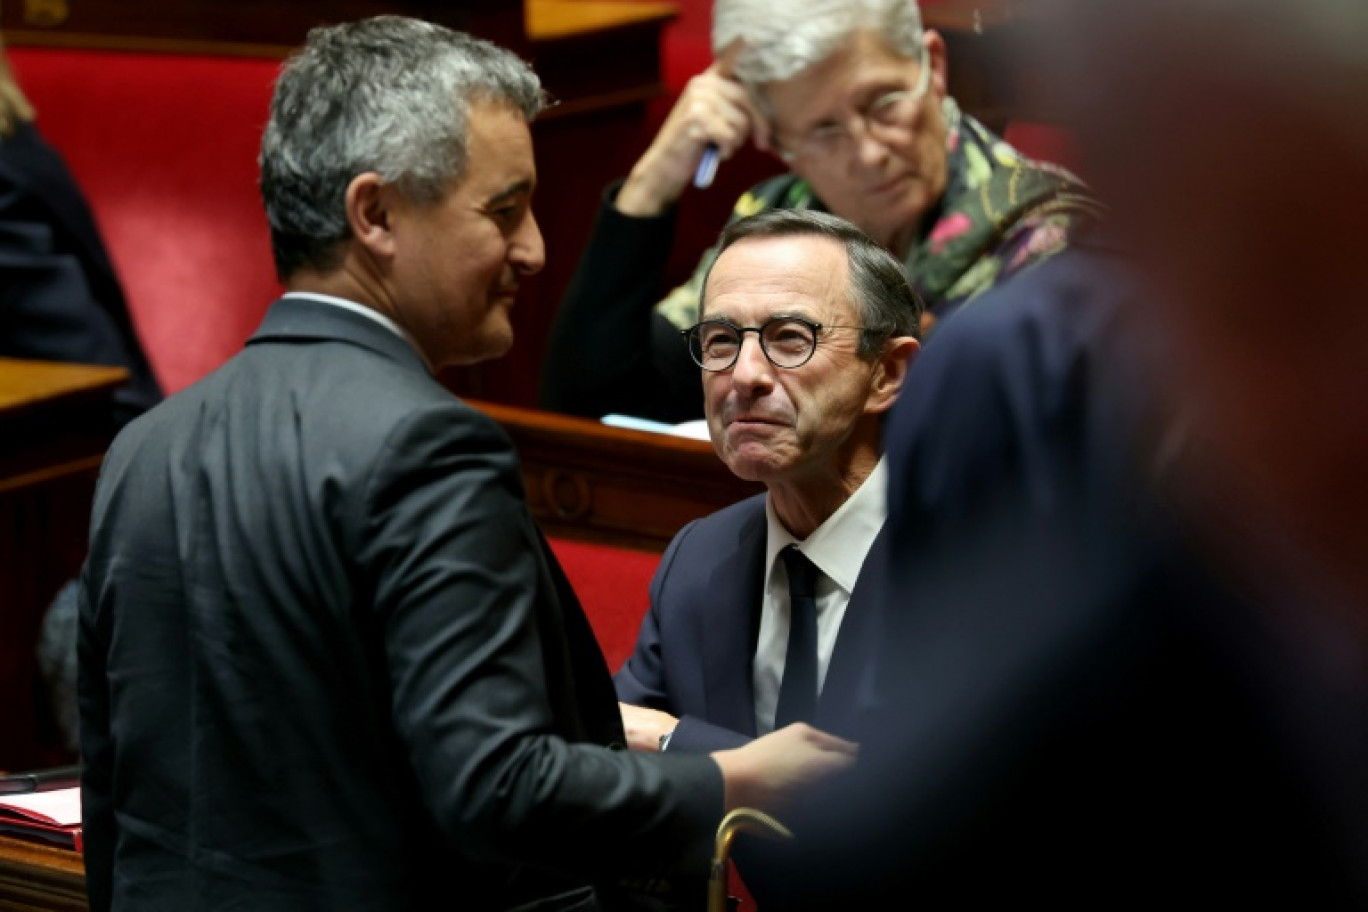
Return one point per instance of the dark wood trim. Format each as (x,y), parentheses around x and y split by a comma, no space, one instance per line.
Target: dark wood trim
(635,489)
(41,878)
(235,26)
(94,42)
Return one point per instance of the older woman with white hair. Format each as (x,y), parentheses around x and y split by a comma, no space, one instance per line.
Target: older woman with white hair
(851,96)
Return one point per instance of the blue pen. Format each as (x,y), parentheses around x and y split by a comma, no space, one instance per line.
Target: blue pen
(707,168)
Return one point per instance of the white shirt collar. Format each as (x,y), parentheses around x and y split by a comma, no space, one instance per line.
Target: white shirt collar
(839,545)
(356,308)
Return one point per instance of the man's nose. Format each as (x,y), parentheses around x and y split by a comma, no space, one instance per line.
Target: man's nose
(752,367)
(527,252)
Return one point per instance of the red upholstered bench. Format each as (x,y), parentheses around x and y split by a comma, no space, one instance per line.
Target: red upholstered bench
(612,585)
(165,148)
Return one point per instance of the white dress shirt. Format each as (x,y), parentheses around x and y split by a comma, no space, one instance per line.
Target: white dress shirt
(838,548)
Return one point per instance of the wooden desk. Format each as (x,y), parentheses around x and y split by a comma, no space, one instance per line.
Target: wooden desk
(592,482)
(53,434)
(39,878)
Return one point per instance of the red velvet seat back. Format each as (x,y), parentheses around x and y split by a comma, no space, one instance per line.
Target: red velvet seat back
(613,586)
(165,148)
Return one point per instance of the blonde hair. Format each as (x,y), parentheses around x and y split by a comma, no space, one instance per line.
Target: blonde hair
(14,107)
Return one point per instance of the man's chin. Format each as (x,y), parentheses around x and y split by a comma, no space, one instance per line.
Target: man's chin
(495,337)
(488,347)
(749,472)
(749,466)
(499,346)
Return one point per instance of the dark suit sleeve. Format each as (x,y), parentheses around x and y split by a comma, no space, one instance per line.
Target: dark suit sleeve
(461,589)
(609,350)
(695,736)
(97,812)
(643,679)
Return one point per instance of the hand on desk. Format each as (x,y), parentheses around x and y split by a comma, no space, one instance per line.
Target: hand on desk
(644,727)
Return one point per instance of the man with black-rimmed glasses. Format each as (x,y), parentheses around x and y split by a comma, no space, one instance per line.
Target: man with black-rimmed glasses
(757,616)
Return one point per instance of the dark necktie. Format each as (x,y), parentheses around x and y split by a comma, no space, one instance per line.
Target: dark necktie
(798,689)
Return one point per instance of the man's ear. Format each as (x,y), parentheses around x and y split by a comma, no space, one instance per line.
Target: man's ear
(369,203)
(890,372)
(937,57)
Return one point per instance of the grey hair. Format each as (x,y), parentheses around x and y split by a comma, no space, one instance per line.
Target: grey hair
(387,94)
(780,40)
(878,288)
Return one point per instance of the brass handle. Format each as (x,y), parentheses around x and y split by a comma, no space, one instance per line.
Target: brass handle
(748,819)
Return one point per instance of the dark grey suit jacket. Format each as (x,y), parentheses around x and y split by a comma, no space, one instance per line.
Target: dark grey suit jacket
(695,653)
(327,661)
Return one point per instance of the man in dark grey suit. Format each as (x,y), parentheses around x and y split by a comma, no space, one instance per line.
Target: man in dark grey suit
(800,409)
(327,661)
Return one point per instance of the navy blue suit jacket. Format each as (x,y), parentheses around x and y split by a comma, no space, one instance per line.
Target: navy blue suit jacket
(694,655)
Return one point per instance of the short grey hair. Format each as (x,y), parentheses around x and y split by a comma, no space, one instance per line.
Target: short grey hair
(387,94)
(781,40)
(883,299)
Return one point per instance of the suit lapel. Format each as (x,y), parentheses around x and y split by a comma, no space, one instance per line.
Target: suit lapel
(850,667)
(730,624)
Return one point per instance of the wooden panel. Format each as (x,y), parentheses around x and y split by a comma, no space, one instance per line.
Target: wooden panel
(39,878)
(253,27)
(37,385)
(603,66)
(549,20)
(597,55)
(53,434)
(596,483)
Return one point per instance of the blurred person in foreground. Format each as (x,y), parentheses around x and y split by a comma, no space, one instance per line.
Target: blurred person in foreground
(851,96)
(327,659)
(1128,665)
